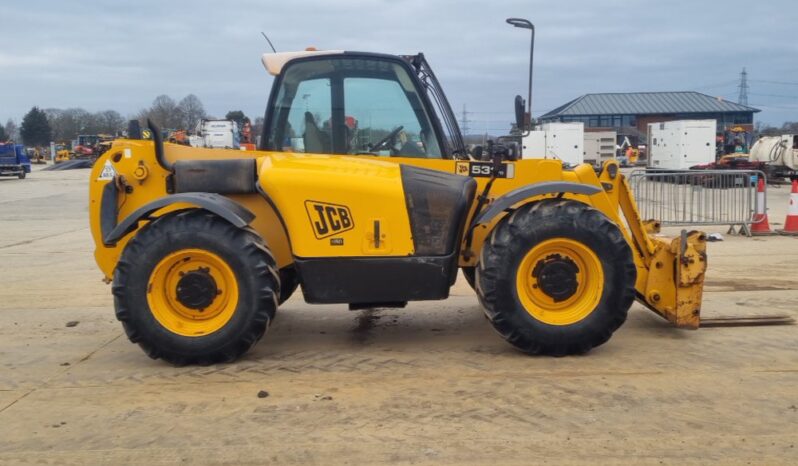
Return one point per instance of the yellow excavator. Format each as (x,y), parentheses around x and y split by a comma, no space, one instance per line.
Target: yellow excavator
(362,192)
(62,153)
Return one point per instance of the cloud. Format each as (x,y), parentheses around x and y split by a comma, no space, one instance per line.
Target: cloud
(120,55)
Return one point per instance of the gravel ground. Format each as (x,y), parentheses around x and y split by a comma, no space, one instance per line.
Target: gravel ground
(429,384)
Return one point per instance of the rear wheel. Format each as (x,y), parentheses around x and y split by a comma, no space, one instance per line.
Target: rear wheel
(191,288)
(556,278)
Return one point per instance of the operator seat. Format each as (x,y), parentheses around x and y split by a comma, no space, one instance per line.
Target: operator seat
(316,140)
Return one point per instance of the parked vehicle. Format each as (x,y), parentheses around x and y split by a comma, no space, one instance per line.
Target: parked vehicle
(202,251)
(217,134)
(13,160)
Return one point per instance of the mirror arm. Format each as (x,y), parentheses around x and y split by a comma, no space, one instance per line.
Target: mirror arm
(526,24)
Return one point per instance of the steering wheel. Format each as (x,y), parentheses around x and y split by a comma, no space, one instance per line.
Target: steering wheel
(389,138)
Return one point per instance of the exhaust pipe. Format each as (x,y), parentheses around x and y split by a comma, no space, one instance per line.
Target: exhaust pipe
(157,138)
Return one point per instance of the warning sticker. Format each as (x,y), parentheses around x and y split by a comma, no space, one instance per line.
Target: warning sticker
(108,172)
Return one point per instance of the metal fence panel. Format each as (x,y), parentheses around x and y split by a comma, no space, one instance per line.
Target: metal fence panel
(699,197)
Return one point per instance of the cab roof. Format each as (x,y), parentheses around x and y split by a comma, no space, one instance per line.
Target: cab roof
(274,62)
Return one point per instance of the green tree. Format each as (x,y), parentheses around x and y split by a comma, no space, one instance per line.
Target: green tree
(35,129)
(237,116)
(3,135)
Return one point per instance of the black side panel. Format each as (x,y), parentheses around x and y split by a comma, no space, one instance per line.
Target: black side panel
(108,210)
(233,176)
(372,279)
(437,204)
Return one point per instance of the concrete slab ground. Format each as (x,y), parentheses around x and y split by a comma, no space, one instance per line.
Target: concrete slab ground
(429,384)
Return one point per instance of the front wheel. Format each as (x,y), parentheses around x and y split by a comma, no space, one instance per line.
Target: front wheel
(191,288)
(556,278)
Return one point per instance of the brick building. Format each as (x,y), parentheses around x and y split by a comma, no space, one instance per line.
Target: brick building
(628,114)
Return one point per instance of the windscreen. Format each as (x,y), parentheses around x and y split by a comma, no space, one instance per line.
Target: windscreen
(453,139)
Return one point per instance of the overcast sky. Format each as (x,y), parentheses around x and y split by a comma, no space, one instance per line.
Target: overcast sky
(120,54)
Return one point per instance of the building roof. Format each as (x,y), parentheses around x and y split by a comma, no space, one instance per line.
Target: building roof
(642,103)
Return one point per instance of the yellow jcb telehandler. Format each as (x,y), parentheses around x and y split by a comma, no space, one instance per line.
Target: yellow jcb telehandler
(362,193)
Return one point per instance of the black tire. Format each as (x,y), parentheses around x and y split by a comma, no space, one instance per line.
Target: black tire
(289,281)
(503,254)
(470,274)
(22,175)
(243,251)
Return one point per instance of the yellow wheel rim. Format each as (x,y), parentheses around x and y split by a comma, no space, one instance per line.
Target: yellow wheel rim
(560,281)
(192,292)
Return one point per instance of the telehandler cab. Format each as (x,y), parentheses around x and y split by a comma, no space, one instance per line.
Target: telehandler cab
(362,193)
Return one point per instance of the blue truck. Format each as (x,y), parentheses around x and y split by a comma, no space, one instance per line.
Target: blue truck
(13,160)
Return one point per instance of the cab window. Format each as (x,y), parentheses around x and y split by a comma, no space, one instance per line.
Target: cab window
(355,106)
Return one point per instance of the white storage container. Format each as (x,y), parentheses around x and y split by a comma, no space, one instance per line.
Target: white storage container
(600,146)
(681,144)
(563,141)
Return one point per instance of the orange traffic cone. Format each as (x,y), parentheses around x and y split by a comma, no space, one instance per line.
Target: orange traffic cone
(791,224)
(760,225)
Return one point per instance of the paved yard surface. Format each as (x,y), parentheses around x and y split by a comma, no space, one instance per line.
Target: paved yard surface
(429,384)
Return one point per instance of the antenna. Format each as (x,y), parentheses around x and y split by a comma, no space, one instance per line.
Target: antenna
(743,98)
(267,40)
(465,121)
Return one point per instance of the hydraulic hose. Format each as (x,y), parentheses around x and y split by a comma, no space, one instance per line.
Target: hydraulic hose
(775,154)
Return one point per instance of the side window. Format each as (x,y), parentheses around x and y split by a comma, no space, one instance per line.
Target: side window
(308,116)
(384,119)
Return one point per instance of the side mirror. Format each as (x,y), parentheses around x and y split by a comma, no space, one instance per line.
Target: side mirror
(520,115)
(512,151)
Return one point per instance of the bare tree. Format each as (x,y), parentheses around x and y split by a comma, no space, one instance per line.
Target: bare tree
(163,112)
(110,122)
(67,124)
(191,111)
(790,127)
(12,130)
(55,116)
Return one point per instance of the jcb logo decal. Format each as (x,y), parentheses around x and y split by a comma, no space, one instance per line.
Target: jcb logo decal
(328,219)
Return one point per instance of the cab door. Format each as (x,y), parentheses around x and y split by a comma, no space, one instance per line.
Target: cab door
(344,132)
